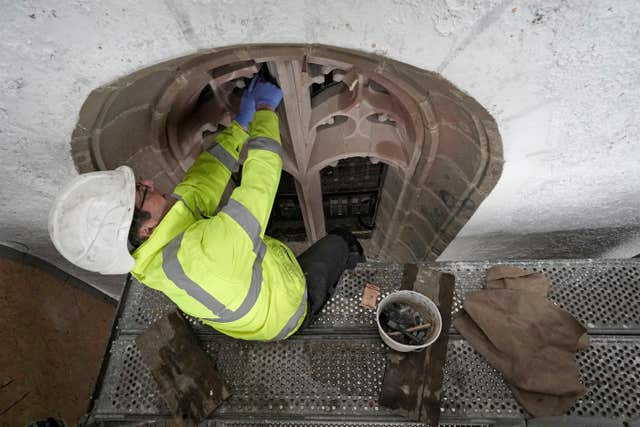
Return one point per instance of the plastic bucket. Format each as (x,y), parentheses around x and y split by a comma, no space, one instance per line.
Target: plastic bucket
(423,305)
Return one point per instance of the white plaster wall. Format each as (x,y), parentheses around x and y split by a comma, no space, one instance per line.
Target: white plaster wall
(562,78)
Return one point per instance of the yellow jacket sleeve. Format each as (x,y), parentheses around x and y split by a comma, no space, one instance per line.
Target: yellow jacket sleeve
(261,171)
(205,181)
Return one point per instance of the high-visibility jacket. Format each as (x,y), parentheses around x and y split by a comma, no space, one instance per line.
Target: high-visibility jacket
(222,268)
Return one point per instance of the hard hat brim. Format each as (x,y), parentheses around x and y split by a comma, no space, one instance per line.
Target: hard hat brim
(90,220)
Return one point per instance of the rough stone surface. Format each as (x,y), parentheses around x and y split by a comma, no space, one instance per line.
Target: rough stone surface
(560,77)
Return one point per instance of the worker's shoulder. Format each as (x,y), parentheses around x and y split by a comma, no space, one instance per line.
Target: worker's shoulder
(214,233)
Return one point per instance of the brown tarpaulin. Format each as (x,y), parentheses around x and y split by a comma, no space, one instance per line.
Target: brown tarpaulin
(532,342)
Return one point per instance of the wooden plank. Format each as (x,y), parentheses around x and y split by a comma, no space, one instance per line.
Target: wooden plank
(187,378)
(412,382)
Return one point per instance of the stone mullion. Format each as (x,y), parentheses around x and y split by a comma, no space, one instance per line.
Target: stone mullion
(309,191)
(296,103)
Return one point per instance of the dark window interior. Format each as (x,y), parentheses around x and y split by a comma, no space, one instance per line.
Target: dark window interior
(286,221)
(350,194)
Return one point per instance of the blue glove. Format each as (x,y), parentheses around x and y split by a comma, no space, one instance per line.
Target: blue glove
(247,105)
(266,93)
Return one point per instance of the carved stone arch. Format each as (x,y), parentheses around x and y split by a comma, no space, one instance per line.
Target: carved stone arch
(443,147)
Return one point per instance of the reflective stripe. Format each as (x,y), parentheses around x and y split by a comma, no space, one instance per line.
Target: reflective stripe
(179,197)
(220,153)
(202,214)
(173,270)
(226,195)
(245,219)
(254,287)
(267,144)
(293,321)
(251,226)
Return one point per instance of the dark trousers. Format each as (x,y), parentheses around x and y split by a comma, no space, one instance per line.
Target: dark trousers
(323,264)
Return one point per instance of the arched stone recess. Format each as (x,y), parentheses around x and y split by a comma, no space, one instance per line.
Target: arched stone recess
(443,148)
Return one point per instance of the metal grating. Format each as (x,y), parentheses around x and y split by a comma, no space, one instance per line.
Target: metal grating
(301,376)
(604,295)
(472,388)
(144,305)
(601,294)
(610,369)
(321,376)
(344,309)
(333,371)
(128,387)
(342,377)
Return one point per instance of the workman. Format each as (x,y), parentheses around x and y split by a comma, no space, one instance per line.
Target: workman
(210,257)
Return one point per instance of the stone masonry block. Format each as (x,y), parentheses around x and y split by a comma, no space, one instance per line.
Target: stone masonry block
(81,153)
(420,83)
(452,230)
(451,112)
(494,139)
(400,252)
(458,147)
(157,129)
(372,248)
(434,210)
(430,118)
(277,53)
(164,183)
(393,180)
(145,163)
(137,93)
(447,182)
(439,246)
(384,213)
(492,173)
(425,163)
(124,137)
(90,110)
(469,205)
(415,240)
(347,56)
(422,226)
(431,256)
(171,164)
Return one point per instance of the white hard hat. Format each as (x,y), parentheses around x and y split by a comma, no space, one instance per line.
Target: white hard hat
(89,221)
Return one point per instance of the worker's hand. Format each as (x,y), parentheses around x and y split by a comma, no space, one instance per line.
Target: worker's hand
(265,93)
(247,104)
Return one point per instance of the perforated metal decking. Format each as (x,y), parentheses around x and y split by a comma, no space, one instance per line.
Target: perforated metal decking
(331,374)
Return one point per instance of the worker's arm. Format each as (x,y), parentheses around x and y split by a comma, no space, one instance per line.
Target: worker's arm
(205,181)
(261,171)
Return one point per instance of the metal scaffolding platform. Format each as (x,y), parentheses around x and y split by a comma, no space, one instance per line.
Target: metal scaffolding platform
(331,374)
